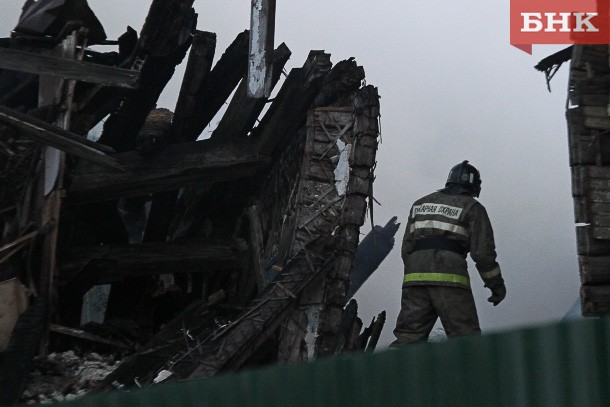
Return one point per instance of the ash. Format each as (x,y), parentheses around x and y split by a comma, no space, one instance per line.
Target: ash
(66,376)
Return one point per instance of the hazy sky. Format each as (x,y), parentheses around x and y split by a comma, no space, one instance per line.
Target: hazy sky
(452,89)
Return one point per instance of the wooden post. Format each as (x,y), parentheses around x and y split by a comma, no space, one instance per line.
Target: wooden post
(53,91)
(262,30)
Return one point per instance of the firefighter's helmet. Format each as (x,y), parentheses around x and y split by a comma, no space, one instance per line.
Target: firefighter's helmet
(466,176)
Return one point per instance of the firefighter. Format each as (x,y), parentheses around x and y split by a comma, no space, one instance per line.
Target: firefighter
(443,227)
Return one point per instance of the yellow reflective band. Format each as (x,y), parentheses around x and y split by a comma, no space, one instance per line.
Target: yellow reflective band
(437,277)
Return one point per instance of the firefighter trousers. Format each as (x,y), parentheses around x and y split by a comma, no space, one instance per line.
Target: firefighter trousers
(421,305)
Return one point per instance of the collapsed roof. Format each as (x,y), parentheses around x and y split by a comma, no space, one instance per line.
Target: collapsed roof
(221,253)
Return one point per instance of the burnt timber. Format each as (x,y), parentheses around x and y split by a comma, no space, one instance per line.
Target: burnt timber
(588,128)
(222,253)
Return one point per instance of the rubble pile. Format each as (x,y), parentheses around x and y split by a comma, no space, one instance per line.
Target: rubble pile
(66,376)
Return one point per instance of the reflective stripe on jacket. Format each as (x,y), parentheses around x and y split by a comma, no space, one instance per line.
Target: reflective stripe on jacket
(460,218)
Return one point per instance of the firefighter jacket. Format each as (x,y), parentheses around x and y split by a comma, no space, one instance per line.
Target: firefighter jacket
(441,230)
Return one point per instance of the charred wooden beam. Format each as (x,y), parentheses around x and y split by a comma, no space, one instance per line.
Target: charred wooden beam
(197,70)
(178,165)
(350,315)
(289,109)
(242,112)
(83,267)
(164,40)
(24,61)
(168,23)
(80,334)
(54,136)
(222,80)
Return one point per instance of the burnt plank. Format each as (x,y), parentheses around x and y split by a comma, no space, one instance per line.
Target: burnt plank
(80,334)
(197,69)
(242,112)
(588,245)
(83,267)
(54,136)
(595,299)
(222,80)
(177,165)
(594,269)
(289,108)
(35,63)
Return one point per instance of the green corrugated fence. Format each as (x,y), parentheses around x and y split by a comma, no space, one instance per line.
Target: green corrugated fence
(566,364)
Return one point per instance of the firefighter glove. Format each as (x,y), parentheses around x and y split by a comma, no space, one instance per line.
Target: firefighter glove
(497,294)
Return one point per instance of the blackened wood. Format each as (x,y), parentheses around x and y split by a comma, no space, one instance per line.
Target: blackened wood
(222,80)
(345,327)
(292,338)
(177,165)
(83,267)
(168,23)
(289,108)
(583,143)
(376,328)
(345,77)
(242,112)
(589,245)
(80,334)
(54,136)
(557,58)
(595,299)
(9,249)
(353,341)
(93,105)
(164,40)
(197,70)
(23,61)
(594,269)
